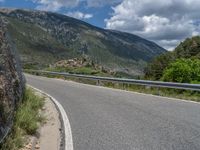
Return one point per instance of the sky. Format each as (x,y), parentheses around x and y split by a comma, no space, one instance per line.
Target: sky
(166,22)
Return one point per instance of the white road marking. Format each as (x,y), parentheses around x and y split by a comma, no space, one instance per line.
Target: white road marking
(66,123)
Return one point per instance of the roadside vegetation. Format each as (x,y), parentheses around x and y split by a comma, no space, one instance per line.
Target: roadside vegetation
(182,65)
(26,121)
(183,71)
(165,92)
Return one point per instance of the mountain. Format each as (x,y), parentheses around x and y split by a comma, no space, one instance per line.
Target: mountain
(44,38)
(188,49)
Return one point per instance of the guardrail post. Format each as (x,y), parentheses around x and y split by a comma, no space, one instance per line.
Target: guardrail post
(124,87)
(158,91)
(65,77)
(98,82)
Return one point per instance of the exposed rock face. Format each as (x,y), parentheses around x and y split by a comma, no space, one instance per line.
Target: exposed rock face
(11,80)
(75,62)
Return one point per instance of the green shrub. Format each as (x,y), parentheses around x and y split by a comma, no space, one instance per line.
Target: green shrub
(183,71)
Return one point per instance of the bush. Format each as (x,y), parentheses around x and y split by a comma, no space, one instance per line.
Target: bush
(183,71)
(27,115)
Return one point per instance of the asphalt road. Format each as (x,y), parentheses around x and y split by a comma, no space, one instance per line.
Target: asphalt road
(109,119)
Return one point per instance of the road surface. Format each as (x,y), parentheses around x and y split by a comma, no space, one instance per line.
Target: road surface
(109,119)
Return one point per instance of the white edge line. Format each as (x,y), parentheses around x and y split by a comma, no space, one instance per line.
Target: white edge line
(66,124)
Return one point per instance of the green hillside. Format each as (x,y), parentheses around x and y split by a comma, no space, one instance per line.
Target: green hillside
(180,65)
(44,38)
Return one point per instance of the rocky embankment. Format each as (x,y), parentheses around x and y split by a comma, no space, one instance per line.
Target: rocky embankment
(11,80)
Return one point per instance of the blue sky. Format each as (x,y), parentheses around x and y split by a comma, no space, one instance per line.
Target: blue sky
(165,22)
(96,14)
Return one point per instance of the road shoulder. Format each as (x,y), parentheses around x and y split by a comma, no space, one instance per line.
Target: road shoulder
(48,136)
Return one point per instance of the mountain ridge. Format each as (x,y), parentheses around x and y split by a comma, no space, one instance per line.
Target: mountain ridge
(62,36)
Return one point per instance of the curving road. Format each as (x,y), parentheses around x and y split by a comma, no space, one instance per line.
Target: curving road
(109,119)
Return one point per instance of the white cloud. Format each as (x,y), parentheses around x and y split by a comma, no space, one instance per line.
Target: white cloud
(79,15)
(168,44)
(99,3)
(165,22)
(55,5)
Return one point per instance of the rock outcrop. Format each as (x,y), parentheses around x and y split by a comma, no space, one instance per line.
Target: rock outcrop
(11,80)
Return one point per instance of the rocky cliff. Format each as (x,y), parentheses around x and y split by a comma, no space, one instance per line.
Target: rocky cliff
(11,80)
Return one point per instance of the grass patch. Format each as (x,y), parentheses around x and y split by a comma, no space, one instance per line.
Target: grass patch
(26,122)
(166,92)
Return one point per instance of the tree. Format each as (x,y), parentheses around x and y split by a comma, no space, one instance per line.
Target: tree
(189,49)
(154,70)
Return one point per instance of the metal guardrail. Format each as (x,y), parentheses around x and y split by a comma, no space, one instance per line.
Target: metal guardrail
(183,86)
